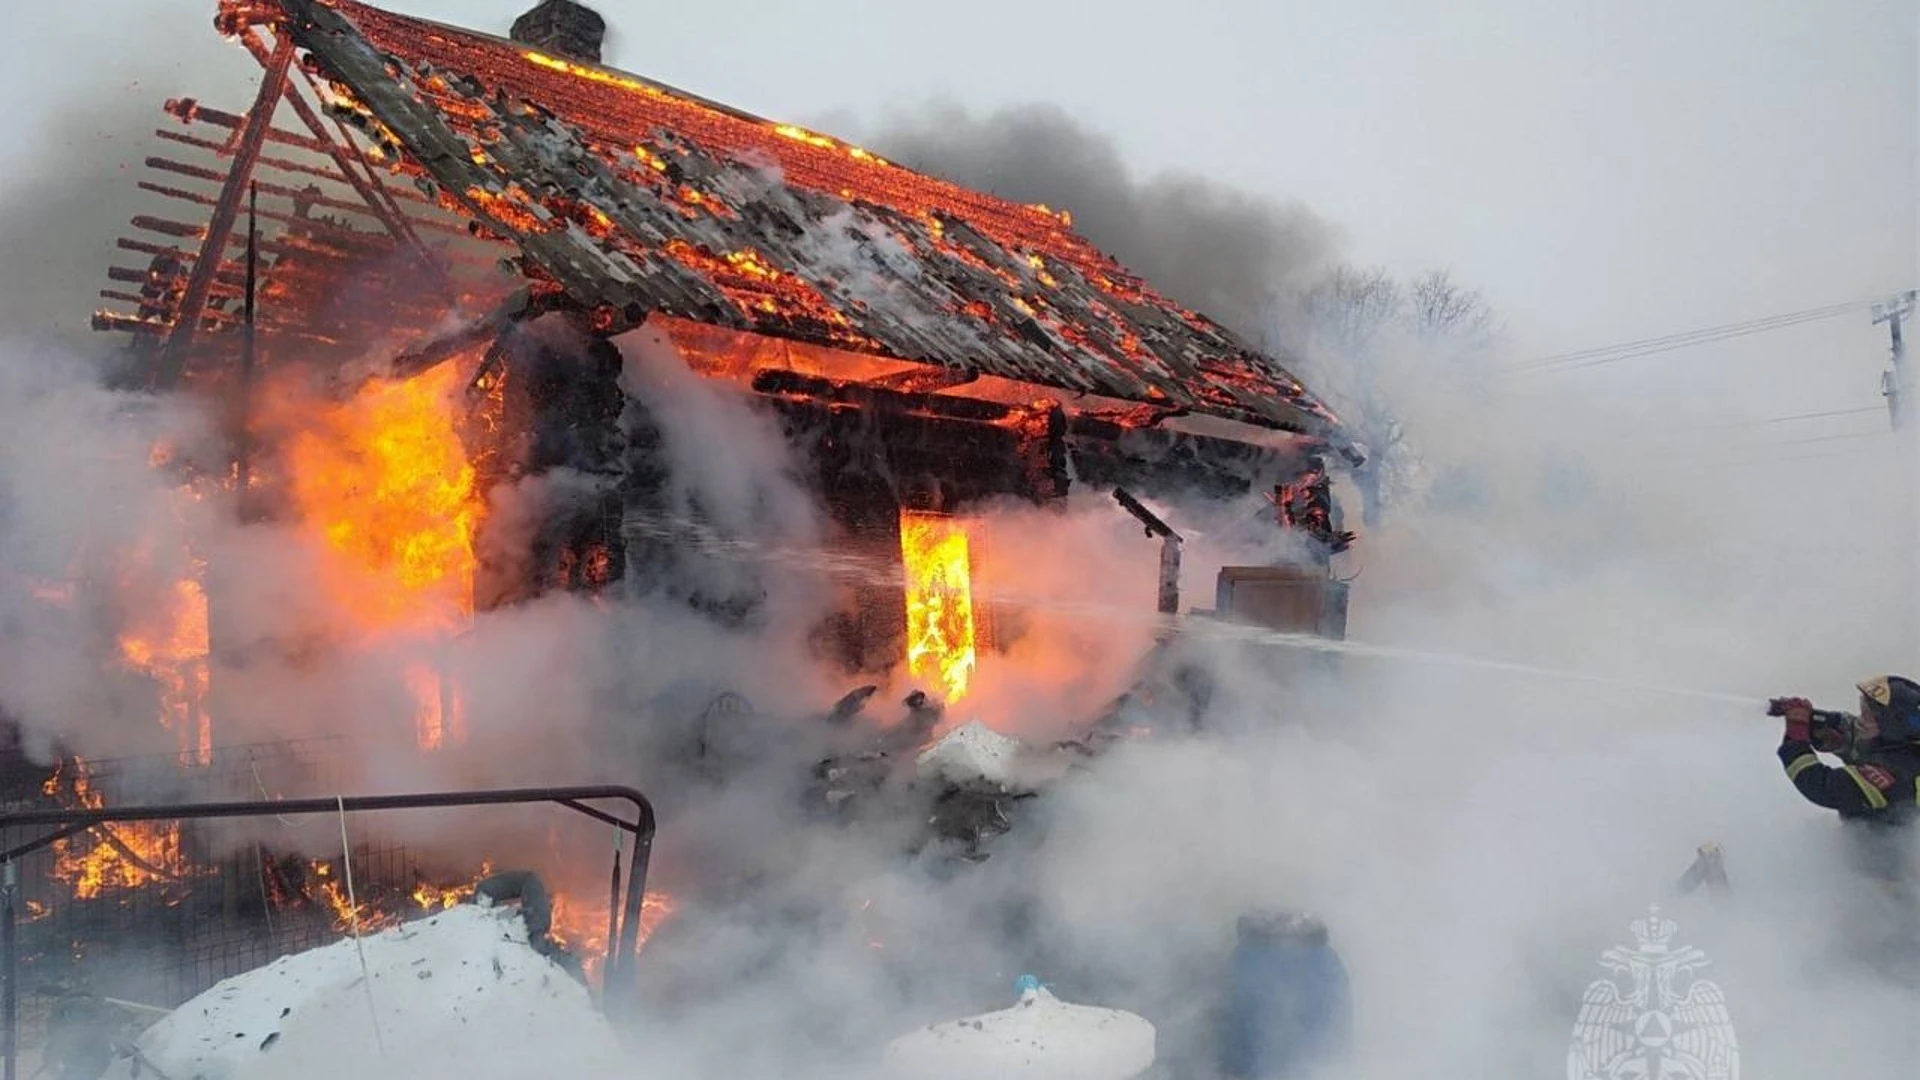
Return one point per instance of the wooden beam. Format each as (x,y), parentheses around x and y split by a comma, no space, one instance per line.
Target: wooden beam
(367,187)
(173,359)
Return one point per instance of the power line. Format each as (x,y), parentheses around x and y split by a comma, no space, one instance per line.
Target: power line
(1628,350)
(1663,339)
(1830,438)
(1790,459)
(1805,416)
(1767,421)
(1691,337)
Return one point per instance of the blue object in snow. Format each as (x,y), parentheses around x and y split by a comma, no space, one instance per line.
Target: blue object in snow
(1025,984)
(1289,1009)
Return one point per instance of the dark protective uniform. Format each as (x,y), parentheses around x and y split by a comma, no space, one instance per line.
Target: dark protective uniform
(1876,788)
(1876,792)
(1876,785)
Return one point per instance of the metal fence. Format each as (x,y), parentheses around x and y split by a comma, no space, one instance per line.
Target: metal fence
(170,930)
(159,912)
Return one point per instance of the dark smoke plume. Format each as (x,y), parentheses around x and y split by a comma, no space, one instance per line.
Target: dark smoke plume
(1206,245)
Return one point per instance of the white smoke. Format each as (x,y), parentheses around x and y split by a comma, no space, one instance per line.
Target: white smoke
(1473,839)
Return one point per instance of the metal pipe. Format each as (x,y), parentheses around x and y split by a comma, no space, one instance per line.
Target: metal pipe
(614,988)
(87,818)
(613,913)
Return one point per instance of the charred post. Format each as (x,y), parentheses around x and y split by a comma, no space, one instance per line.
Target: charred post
(1170,542)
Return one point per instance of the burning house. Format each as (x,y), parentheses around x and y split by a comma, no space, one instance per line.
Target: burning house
(926,347)
(412,269)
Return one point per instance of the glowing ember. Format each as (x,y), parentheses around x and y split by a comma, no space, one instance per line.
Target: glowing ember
(940,625)
(117,857)
(386,480)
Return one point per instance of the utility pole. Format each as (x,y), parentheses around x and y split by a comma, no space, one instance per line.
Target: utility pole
(1897,384)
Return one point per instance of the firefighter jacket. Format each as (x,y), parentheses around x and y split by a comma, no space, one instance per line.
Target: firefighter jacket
(1879,784)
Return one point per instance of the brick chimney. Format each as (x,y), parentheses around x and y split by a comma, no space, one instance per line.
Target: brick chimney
(564,28)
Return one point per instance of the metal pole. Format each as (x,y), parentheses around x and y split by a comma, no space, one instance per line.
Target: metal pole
(10,957)
(613,915)
(620,985)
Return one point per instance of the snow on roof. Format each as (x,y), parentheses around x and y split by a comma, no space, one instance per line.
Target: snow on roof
(458,995)
(634,197)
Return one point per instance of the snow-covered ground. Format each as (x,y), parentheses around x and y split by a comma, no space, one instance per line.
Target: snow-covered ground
(457,995)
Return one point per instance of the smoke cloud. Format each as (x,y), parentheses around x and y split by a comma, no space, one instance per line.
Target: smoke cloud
(1473,838)
(1213,248)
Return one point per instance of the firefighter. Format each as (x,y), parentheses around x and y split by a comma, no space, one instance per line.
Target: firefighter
(1875,785)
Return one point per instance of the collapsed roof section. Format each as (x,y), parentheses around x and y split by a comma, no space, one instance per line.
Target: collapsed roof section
(627,198)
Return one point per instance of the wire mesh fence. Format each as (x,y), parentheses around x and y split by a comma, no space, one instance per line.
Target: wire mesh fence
(157,912)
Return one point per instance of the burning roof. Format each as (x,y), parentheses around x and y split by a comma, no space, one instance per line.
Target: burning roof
(626,198)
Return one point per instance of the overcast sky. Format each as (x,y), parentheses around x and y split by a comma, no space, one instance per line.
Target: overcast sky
(1605,171)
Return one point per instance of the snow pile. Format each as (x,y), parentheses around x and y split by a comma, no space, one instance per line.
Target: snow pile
(1041,1038)
(458,995)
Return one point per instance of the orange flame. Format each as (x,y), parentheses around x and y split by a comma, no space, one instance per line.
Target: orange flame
(581,928)
(363,917)
(941,644)
(168,642)
(386,480)
(432,898)
(138,853)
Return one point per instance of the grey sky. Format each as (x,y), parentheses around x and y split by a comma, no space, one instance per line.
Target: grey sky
(1605,171)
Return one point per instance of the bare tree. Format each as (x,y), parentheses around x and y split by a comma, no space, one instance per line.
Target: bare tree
(1440,311)
(1361,335)
(1349,309)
